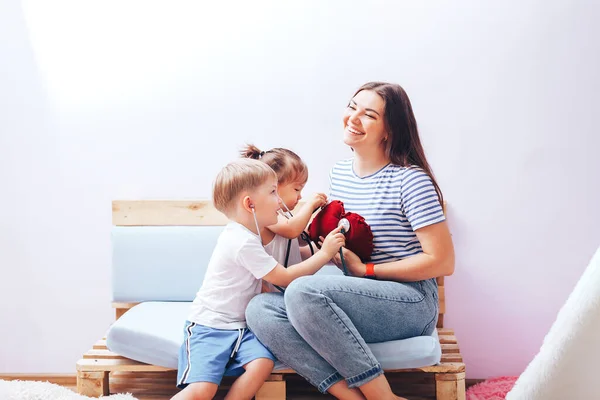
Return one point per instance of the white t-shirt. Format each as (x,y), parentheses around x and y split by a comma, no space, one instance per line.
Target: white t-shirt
(278,249)
(233,278)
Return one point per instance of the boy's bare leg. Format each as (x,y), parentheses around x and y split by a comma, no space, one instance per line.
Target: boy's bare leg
(341,391)
(197,391)
(379,389)
(246,386)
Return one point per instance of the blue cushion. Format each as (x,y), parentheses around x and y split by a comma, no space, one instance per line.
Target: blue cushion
(152,332)
(162,263)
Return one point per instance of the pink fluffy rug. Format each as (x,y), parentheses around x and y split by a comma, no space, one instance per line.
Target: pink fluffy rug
(492,389)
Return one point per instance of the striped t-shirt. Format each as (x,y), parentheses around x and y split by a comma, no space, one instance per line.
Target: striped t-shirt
(395,201)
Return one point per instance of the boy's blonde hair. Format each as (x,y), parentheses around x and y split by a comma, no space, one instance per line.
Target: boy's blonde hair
(288,166)
(237,177)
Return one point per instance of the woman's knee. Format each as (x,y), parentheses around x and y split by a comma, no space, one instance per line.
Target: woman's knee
(299,288)
(262,311)
(255,312)
(300,295)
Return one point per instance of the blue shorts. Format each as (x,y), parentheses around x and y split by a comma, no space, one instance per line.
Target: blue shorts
(207,354)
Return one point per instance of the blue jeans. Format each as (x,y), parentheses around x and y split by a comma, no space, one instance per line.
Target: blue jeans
(321,326)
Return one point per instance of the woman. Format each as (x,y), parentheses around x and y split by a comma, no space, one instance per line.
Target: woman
(321,327)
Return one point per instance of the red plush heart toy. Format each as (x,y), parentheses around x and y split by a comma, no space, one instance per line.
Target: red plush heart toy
(359,238)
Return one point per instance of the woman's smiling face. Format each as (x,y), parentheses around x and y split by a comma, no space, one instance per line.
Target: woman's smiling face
(364,120)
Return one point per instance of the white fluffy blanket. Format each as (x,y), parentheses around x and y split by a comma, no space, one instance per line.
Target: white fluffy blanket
(34,390)
(566,366)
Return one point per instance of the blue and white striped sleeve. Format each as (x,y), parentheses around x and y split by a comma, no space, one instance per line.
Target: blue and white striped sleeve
(419,199)
(330,178)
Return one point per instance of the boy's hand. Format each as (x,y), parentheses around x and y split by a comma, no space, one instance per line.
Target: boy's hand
(317,200)
(332,243)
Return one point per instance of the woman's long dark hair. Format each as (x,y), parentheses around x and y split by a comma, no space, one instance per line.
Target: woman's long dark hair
(404,146)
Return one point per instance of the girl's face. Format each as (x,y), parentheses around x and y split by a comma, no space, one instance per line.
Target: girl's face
(290,194)
(364,124)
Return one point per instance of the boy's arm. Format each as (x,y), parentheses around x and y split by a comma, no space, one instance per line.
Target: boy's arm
(305,252)
(292,228)
(281,276)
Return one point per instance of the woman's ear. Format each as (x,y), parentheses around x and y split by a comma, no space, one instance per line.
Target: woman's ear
(386,136)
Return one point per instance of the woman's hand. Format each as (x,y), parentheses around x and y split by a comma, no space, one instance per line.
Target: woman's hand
(353,263)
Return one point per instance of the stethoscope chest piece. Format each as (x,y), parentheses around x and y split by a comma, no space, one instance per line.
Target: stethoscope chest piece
(345,224)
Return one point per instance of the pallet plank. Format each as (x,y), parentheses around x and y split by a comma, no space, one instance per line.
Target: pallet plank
(124,364)
(450,348)
(100,345)
(448,339)
(102,354)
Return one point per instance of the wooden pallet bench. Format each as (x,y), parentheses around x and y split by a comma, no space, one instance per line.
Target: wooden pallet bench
(93,370)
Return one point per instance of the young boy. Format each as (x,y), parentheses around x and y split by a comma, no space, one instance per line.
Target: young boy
(216,339)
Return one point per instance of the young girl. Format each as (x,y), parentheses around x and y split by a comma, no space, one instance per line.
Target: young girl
(281,240)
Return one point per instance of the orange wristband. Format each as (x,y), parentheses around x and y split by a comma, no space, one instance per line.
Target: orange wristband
(370,273)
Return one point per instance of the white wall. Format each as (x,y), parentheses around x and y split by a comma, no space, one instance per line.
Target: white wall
(128,100)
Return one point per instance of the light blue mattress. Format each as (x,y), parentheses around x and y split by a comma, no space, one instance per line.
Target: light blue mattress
(152,332)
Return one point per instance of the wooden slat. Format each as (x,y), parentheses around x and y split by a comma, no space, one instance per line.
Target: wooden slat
(445,367)
(452,358)
(102,354)
(441,302)
(445,331)
(453,367)
(448,339)
(450,348)
(440,321)
(273,390)
(116,365)
(166,213)
(100,345)
(146,375)
(116,304)
(442,299)
(122,308)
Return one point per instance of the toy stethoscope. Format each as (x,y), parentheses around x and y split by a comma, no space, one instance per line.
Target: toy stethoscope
(344,223)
